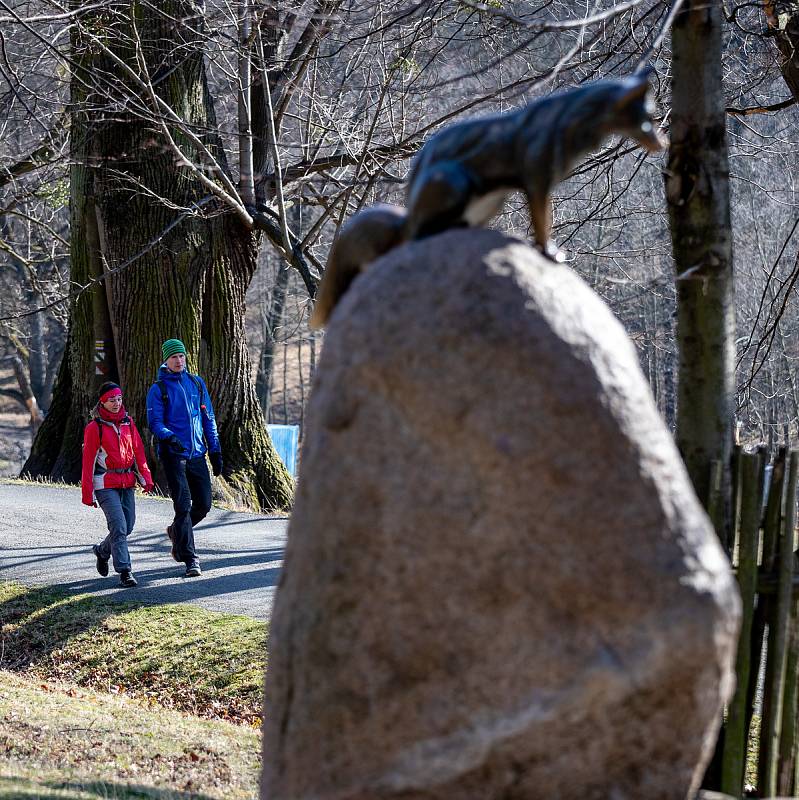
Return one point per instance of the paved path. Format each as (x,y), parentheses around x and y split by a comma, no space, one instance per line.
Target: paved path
(46,536)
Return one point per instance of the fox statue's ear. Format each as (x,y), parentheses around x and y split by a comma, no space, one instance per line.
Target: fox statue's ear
(635,89)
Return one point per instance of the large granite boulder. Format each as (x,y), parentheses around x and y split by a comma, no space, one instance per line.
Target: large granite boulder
(498,580)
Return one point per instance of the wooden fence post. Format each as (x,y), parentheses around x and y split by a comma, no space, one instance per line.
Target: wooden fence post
(736,731)
(787,754)
(767,602)
(759,621)
(771,525)
(788,743)
(778,642)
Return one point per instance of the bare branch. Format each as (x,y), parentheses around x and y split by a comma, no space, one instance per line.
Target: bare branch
(74,294)
(552,27)
(745,112)
(45,153)
(65,16)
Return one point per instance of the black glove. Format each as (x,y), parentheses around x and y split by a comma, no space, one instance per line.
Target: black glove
(174,444)
(216,462)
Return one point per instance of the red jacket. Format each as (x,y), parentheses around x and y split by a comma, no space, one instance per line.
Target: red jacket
(119,448)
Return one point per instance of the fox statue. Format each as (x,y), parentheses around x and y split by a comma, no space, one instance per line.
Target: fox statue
(463,174)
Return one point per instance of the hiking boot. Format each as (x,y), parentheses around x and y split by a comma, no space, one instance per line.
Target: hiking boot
(172,540)
(126,578)
(193,569)
(102,563)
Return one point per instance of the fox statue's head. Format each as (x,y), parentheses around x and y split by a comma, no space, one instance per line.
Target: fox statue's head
(632,110)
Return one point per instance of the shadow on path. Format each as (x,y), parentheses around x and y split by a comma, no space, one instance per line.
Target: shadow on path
(208,585)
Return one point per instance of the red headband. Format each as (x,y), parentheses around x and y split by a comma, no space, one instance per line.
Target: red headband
(106,396)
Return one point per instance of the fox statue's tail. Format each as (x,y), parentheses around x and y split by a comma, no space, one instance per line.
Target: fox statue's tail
(364,237)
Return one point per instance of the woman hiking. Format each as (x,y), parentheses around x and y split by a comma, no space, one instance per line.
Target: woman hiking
(113,463)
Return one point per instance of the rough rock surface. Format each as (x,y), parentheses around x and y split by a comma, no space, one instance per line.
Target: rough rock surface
(498,580)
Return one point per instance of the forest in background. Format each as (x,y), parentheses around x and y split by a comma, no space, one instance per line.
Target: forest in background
(314,110)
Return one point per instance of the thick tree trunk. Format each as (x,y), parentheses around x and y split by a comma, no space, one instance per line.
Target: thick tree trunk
(698,198)
(188,273)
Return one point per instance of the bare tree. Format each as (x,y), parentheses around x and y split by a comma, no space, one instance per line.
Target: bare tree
(321,106)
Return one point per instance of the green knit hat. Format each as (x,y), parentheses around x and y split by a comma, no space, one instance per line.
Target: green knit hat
(172,346)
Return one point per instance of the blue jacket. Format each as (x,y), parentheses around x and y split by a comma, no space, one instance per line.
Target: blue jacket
(182,414)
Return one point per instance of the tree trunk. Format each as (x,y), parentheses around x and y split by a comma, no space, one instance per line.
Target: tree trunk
(27,393)
(51,454)
(783,22)
(273,317)
(669,388)
(37,359)
(697,189)
(55,353)
(188,273)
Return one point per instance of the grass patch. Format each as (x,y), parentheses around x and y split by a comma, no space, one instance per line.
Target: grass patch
(175,656)
(47,481)
(80,744)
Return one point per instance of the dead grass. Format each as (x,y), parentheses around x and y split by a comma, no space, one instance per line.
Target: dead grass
(174,656)
(42,480)
(58,740)
(109,700)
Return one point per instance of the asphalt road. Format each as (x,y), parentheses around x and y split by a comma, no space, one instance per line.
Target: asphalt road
(46,536)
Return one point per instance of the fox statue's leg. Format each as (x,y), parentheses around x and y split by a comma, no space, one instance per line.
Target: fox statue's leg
(540,205)
(437,199)
(363,238)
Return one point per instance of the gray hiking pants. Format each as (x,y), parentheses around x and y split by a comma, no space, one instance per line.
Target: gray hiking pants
(119,507)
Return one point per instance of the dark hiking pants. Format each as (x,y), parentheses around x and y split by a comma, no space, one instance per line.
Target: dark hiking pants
(190,487)
(119,507)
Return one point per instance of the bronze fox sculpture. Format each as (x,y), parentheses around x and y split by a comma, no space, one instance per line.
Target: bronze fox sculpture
(463,173)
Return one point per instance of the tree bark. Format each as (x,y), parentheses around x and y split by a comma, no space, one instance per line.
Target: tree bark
(697,190)
(188,271)
(273,317)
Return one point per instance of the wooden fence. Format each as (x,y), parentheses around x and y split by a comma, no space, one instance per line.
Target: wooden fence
(761,720)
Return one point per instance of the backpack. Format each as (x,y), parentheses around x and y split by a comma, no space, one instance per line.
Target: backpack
(100,426)
(155,444)
(165,396)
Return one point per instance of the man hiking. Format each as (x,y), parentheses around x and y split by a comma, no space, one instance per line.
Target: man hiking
(181,417)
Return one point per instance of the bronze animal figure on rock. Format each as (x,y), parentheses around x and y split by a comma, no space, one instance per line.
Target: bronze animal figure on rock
(463,174)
